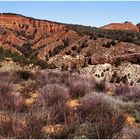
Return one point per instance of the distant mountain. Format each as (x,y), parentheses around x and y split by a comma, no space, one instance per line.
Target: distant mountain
(122,26)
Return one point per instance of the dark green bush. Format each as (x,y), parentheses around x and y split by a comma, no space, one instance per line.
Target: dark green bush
(84,44)
(42,63)
(113,43)
(74,48)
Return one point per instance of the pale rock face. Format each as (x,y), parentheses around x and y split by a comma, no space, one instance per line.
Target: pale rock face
(132,70)
(59,60)
(101,71)
(9,65)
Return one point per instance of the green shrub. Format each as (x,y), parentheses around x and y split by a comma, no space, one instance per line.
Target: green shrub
(74,48)
(42,63)
(113,43)
(107,45)
(84,45)
(20,59)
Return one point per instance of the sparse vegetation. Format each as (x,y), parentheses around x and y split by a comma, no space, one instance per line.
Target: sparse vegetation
(6,98)
(84,45)
(55,104)
(105,121)
(53,94)
(22,59)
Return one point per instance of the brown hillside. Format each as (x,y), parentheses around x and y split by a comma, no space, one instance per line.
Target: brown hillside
(46,39)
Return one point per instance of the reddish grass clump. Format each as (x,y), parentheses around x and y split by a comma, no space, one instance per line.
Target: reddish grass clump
(58,114)
(42,78)
(105,120)
(6,77)
(90,105)
(78,85)
(6,97)
(134,94)
(33,128)
(53,93)
(79,89)
(122,89)
(54,98)
(10,127)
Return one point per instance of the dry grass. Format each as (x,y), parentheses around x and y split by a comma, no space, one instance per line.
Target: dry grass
(33,127)
(48,101)
(52,94)
(122,89)
(130,133)
(7,100)
(105,120)
(43,78)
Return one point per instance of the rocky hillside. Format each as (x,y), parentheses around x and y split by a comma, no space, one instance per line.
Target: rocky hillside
(67,44)
(20,33)
(122,26)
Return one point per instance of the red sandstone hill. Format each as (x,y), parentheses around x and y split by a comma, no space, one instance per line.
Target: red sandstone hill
(122,26)
(46,40)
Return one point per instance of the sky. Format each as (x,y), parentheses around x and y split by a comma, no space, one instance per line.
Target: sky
(91,13)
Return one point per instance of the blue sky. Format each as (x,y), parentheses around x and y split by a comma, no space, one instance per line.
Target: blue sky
(87,13)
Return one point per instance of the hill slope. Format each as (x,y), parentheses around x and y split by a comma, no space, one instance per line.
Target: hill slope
(55,42)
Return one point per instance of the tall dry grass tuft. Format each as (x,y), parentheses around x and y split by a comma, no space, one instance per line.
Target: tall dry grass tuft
(90,105)
(33,127)
(52,94)
(6,77)
(42,78)
(78,85)
(54,98)
(105,121)
(130,133)
(79,89)
(10,126)
(134,94)
(58,114)
(7,100)
(122,89)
